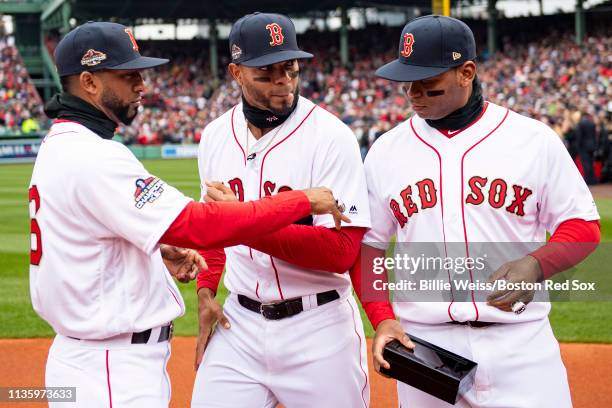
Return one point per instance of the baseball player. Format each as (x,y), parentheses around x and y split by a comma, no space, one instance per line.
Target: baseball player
(98,218)
(466,171)
(296,335)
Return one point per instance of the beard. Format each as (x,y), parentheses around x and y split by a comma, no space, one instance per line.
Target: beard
(123,111)
(261,100)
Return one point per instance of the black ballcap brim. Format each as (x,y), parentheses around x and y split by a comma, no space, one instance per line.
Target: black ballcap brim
(276,57)
(400,72)
(141,63)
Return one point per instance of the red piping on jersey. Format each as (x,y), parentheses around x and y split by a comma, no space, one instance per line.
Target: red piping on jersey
(261,177)
(244,158)
(467,251)
(272,148)
(175,299)
(65,121)
(257,290)
(110,395)
(50,135)
(486,104)
(441,208)
(235,138)
(280,291)
(360,366)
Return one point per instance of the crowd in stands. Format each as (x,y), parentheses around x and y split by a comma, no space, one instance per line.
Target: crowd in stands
(21,109)
(550,79)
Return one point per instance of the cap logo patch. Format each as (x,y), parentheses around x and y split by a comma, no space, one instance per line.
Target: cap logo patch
(408,44)
(92,58)
(236,52)
(132,39)
(456,55)
(276,34)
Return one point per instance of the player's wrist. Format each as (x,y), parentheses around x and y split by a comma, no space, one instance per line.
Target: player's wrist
(206,294)
(165,250)
(381,324)
(537,267)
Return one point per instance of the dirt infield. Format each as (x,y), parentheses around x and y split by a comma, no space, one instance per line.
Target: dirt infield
(22,364)
(601,190)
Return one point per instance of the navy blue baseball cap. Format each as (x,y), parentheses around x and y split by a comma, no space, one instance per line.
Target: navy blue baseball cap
(261,39)
(429,46)
(100,45)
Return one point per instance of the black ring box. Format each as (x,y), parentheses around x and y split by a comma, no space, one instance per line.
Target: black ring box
(430,368)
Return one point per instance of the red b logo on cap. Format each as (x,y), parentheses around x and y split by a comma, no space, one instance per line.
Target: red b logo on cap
(408,43)
(276,34)
(132,39)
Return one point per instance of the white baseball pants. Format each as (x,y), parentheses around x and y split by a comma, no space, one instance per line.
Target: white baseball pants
(110,373)
(314,359)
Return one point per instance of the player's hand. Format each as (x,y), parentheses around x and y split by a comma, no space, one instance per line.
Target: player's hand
(526,269)
(322,201)
(387,331)
(210,313)
(182,263)
(218,191)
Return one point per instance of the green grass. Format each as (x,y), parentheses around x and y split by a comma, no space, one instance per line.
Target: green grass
(572,321)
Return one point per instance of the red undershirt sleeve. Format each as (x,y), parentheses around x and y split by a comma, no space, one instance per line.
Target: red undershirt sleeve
(316,248)
(328,250)
(375,302)
(224,224)
(215,259)
(571,243)
(313,247)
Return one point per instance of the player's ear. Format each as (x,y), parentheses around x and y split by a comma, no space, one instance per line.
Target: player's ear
(236,72)
(466,72)
(89,83)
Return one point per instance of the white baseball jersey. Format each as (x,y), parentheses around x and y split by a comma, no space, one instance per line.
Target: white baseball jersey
(506,178)
(97,215)
(311,148)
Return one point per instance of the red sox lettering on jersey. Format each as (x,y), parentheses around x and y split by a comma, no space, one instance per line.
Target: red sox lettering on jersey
(269,188)
(505,178)
(496,194)
(312,147)
(299,154)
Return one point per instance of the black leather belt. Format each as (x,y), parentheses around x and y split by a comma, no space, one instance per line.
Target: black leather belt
(475,324)
(285,308)
(165,334)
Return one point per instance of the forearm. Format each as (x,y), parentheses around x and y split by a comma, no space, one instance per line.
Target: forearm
(223,224)
(571,243)
(312,247)
(375,302)
(215,259)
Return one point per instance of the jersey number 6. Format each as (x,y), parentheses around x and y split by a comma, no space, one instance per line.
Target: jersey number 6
(36,244)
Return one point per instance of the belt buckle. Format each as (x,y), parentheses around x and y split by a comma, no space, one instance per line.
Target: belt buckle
(262,309)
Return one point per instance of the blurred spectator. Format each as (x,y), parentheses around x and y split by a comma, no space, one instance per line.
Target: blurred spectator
(549,78)
(20,105)
(586,141)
